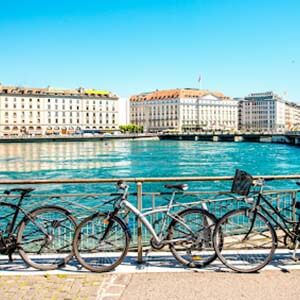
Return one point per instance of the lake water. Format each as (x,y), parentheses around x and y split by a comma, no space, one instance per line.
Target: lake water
(121,158)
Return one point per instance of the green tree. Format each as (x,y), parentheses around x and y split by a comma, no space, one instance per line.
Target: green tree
(131,128)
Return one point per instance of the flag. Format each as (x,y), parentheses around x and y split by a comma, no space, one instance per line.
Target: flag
(199,78)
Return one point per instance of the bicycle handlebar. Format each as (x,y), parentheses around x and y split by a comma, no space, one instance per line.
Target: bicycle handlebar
(122,185)
(19,190)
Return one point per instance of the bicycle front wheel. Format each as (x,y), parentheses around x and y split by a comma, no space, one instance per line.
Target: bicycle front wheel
(191,236)
(100,244)
(248,241)
(45,238)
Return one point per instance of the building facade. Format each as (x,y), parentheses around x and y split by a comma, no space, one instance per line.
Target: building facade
(184,110)
(38,111)
(267,112)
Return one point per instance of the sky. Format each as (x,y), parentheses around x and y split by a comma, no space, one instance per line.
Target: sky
(134,46)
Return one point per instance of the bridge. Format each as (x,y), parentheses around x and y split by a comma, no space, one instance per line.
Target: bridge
(292,138)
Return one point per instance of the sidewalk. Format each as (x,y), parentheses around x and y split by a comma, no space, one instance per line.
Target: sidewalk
(162,286)
(160,277)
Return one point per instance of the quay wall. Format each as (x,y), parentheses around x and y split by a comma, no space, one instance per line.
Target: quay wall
(41,139)
(259,138)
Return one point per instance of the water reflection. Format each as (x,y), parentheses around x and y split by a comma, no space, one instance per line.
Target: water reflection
(144,159)
(58,156)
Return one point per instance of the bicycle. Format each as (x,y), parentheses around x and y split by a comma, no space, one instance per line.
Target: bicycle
(249,239)
(47,230)
(101,241)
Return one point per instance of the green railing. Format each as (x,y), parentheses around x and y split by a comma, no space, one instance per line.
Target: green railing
(154,196)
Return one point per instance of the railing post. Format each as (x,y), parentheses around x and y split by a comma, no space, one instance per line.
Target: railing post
(294,199)
(139,224)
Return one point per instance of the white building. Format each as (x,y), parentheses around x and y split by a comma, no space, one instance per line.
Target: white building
(52,111)
(124,117)
(184,110)
(267,112)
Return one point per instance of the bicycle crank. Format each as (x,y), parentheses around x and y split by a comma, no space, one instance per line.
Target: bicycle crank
(155,245)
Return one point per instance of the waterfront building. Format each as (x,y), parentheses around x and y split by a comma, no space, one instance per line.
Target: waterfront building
(124,118)
(38,111)
(184,110)
(292,116)
(267,112)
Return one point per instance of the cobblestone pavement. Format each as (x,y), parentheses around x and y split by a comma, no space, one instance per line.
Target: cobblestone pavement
(63,287)
(50,287)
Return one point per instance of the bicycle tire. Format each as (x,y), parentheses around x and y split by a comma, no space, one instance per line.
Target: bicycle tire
(85,248)
(55,248)
(203,251)
(245,255)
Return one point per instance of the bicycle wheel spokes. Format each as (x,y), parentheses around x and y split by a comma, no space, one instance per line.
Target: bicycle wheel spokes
(194,247)
(45,239)
(247,244)
(100,246)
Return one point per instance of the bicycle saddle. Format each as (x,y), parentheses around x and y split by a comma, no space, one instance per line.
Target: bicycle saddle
(182,187)
(19,190)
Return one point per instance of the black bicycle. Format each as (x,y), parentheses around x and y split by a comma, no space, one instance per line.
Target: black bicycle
(249,239)
(43,236)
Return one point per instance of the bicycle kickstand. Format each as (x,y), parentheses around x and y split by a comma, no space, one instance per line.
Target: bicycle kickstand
(295,258)
(10,259)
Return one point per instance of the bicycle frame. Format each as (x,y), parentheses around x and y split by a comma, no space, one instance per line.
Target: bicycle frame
(17,208)
(285,222)
(142,217)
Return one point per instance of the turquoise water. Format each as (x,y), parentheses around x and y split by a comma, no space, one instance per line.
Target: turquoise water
(143,159)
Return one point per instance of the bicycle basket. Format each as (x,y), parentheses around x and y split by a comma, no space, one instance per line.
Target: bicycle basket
(241,183)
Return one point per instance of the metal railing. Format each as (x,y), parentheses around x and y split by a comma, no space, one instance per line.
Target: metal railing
(146,194)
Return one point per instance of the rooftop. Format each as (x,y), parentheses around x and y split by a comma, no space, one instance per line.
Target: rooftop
(80,92)
(176,93)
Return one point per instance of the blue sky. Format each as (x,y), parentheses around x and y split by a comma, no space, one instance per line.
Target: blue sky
(238,46)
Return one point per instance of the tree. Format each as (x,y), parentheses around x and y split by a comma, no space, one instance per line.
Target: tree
(131,128)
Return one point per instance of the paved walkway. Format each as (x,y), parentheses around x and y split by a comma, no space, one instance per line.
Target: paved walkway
(159,278)
(214,286)
(50,287)
(163,286)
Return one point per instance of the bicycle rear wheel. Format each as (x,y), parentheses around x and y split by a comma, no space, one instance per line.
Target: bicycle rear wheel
(247,245)
(45,238)
(99,244)
(194,247)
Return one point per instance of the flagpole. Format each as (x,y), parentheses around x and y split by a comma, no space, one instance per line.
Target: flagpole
(200,82)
